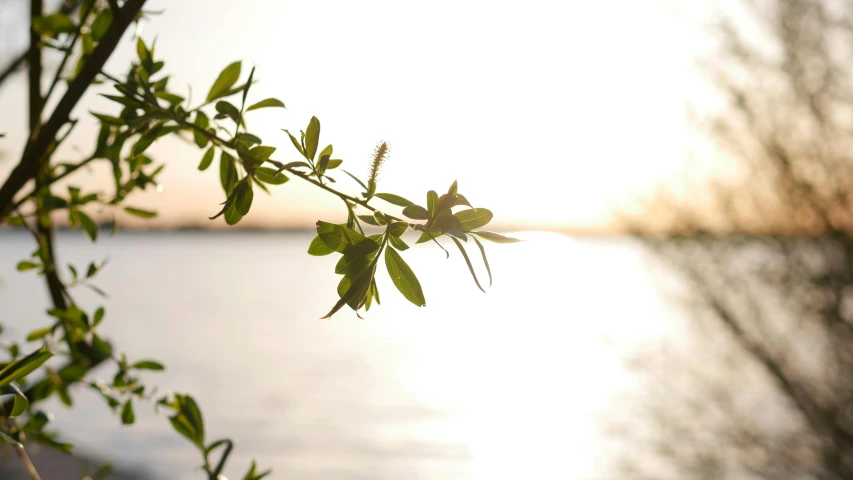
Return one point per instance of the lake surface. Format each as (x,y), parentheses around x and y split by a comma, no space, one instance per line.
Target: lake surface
(511,384)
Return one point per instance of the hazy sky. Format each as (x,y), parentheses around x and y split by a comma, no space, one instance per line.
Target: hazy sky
(550,113)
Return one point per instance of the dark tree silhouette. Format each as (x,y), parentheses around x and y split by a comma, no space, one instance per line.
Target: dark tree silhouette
(764,388)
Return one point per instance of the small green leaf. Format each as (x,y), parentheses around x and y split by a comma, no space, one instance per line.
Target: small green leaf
(227,172)
(140,213)
(20,403)
(108,119)
(188,420)
(357,180)
(268,175)
(38,334)
(172,98)
(312,137)
(99,315)
(202,122)
(51,25)
(227,78)
(473,218)
(332,235)
(127,415)
(269,102)
(142,52)
(318,247)
(325,156)
(495,237)
(232,214)
(24,366)
(394,199)
(88,225)
(398,243)
(369,219)
(207,159)
(398,228)
(147,138)
(257,156)
(468,261)
(244,196)
(485,259)
(148,365)
(25,265)
(432,203)
(416,212)
(404,278)
(295,142)
(101,24)
(227,109)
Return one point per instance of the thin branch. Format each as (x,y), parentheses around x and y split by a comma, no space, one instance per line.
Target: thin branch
(31,469)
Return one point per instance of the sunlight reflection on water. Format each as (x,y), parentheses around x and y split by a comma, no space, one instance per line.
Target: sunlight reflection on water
(510,384)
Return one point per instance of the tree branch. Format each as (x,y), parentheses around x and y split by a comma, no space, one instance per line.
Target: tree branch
(39,143)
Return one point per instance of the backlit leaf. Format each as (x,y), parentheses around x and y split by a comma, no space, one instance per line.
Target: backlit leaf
(227,78)
(269,102)
(207,159)
(312,137)
(473,218)
(495,237)
(394,199)
(404,278)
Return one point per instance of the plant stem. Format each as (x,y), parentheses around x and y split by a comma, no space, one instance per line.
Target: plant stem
(31,469)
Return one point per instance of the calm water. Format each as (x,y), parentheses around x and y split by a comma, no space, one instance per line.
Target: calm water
(505,385)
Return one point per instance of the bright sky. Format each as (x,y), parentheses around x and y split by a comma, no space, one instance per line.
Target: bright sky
(551,114)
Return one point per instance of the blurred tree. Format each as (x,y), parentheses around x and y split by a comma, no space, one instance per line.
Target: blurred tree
(82,35)
(764,387)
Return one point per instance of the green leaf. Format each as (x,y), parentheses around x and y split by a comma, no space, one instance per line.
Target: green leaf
(257,156)
(495,237)
(172,98)
(473,218)
(20,403)
(453,188)
(38,334)
(148,365)
(351,264)
(140,213)
(485,259)
(25,265)
(207,159)
(394,199)
(232,214)
(468,261)
(398,243)
(370,219)
(416,212)
(23,366)
(318,247)
(244,196)
(188,420)
(127,415)
(398,228)
(295,142)
(332,235)
(404,278)
(227,78)
(268,175)
(147,138)
(88,225)
(325,156)
(202,122)
(227,172)
(142,52)
(99,315)
(354,293)
(268,102)
(312,137)
(450,224)
(108,119)
(432,203)
(101,24)
(357,180)
(227,109)
(334,163)
(51,25)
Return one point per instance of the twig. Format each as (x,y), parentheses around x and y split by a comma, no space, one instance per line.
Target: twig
(31,469)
